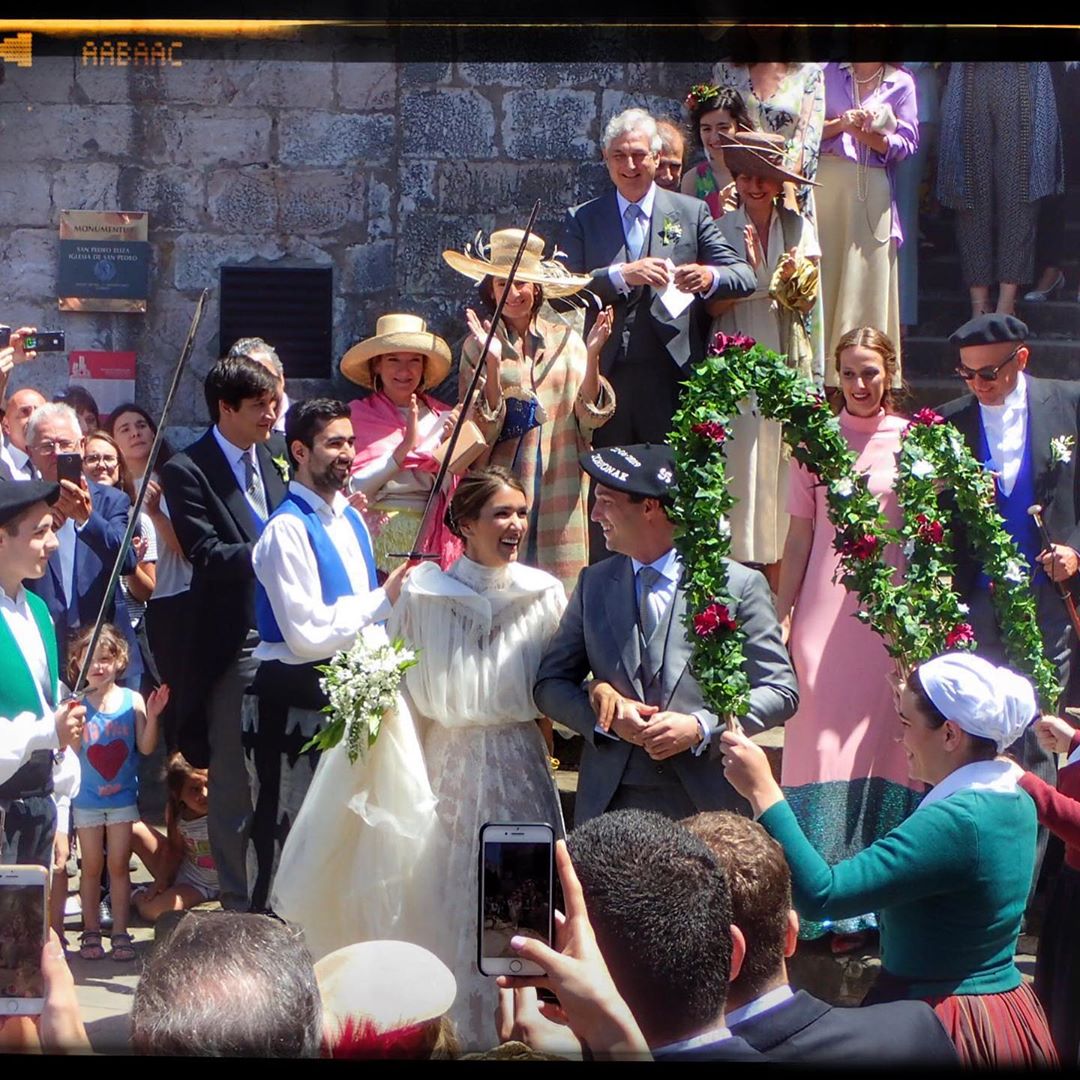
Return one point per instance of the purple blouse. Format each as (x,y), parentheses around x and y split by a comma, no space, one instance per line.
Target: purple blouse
(898,90)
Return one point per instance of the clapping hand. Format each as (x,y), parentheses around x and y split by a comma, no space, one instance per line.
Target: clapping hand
(1054,734)
(589,1005)
(600,332)
(157,700)
(480,331)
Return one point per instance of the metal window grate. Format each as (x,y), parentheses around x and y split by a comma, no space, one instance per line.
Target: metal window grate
(291,307)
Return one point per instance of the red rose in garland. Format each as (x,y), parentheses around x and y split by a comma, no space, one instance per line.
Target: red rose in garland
(926,418)
(721,342)
(710,429)
(713,618)
(929,532)
(865,547)
(960,634)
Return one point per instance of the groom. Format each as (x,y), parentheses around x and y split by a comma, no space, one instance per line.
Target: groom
(624,625)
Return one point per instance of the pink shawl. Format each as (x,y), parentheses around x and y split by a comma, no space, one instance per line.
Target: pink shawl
(379,427)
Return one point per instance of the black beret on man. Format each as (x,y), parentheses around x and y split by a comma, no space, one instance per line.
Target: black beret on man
(638,469)
(989,330)
(17,497)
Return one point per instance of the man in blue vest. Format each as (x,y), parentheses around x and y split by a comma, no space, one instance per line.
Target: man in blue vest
(1025,430)
(32,722)
(316,590)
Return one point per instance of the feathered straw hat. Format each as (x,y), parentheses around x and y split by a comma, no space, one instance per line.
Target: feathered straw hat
(398,333)
(480,260)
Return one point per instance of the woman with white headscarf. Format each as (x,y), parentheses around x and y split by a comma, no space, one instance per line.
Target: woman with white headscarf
(950,883)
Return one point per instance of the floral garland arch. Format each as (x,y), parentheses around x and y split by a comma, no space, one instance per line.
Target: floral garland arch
(917,618)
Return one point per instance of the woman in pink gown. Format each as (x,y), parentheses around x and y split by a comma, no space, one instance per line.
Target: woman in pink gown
(844,773)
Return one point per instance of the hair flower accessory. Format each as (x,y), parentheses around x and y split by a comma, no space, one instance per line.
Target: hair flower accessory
(699,94)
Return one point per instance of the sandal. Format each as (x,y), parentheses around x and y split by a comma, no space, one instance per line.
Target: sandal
(123,948)
(90,947)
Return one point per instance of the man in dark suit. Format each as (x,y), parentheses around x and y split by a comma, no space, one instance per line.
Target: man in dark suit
(1025,429)
(18,409)
(220,491)
(792,1025)
(625,240)
(624,625)
(90,521)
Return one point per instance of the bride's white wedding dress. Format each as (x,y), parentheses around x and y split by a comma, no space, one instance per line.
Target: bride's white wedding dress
(389,848)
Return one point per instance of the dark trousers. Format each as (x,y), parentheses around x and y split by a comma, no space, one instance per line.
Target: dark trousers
(167,632)
(29,830)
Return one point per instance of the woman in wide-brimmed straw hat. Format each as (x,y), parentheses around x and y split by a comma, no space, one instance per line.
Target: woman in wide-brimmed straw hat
(541,394)
(781,247)
(398,427)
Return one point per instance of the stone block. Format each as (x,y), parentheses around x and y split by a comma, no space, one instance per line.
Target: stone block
(667,78)
(364,85)
(24,194)
(447,124)
(65,132)
(87,186)
(422,240)
(199,256)
(204,82)
(29,258)
(549,125)
(416,186)
(208,136)
(323,138)
(379,210)
(318,202)
(370,267)
(425,53)
(615,101)
(505,189)
(552,75)
(285,84)
(50,78)
(243,200)
(590,181)
(173,197)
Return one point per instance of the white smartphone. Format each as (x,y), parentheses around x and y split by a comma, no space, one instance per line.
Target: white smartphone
(23,892)
(517,871)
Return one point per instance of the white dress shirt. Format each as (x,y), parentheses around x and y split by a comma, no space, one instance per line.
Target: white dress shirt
(1006,434)
(706,1038)
(67,537)
(285,565)
(235,457)
(21,735)
(646,205)
(770,1000)
(17,461)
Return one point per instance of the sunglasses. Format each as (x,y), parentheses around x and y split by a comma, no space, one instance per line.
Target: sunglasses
(986,374)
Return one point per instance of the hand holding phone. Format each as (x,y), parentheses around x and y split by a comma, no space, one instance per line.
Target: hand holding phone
(69,467)
(23,891)
(516,879)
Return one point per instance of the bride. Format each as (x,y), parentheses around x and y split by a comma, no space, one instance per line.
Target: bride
(389,848)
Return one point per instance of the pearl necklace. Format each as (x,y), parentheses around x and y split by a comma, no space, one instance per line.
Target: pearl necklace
(862,151)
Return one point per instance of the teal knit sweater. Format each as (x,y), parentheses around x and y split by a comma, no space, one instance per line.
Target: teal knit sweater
(949,885)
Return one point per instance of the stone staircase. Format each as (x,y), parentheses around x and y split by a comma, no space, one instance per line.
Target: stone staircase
(943,306)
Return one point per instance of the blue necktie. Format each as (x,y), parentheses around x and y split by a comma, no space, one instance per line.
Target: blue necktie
(635,231)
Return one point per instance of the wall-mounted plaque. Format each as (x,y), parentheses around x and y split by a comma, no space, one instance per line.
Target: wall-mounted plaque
(104,261)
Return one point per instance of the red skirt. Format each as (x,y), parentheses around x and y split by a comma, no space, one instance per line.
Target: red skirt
(997,1030)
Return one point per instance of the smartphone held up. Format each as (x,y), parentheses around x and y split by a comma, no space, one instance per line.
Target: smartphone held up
(517,872)
(23,891)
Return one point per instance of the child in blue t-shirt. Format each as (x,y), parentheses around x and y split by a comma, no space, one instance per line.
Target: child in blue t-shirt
(118,726)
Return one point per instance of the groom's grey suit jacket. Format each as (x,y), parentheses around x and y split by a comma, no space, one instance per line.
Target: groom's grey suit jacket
(598,634)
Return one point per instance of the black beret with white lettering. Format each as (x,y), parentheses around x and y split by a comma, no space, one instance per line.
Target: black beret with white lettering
(989,330)
(640,469)
(19,495)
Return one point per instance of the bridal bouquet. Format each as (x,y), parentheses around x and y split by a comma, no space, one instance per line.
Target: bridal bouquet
(361,683)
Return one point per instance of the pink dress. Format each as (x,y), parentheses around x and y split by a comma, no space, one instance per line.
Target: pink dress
(844,774)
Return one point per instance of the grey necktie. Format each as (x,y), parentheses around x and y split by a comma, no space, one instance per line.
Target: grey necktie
(649,602)
(635,231)
(253,485)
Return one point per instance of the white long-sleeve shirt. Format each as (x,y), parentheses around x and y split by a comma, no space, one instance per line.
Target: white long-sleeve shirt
(285,565)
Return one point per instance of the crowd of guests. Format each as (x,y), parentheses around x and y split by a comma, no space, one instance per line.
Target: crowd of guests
(540,584)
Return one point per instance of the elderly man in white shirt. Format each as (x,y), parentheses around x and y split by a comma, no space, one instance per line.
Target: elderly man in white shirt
(1025,429)
(316,591)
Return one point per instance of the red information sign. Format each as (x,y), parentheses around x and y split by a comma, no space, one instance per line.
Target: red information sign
(108,376)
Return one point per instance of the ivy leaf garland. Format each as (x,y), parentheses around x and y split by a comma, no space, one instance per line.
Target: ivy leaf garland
(917,617)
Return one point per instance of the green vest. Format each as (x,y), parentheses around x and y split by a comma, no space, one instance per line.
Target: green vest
(19,694)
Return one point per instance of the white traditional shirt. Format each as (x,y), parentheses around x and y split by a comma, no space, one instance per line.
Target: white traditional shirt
(1000,777)
(235,457)
(21,735)
(285,565)
(1006,434)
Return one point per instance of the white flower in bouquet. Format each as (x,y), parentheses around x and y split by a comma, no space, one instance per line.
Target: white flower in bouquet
(844,487)
(1015,572)
(362,684)
(922,469)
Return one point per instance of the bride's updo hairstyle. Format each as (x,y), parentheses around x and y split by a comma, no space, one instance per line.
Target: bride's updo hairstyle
(473,491)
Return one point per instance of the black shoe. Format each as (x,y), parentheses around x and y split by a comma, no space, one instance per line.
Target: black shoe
(105,913)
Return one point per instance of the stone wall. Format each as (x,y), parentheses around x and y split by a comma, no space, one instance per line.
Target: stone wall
(372,167)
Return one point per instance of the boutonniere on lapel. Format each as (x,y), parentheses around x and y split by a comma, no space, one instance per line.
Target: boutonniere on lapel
(670,232)
(282,467)
(1061,449)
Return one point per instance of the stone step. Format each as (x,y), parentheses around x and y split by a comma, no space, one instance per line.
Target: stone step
(931,357)
(941,312)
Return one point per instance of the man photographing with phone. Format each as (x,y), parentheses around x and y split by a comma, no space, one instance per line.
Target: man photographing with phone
(90,521)
(32,722)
